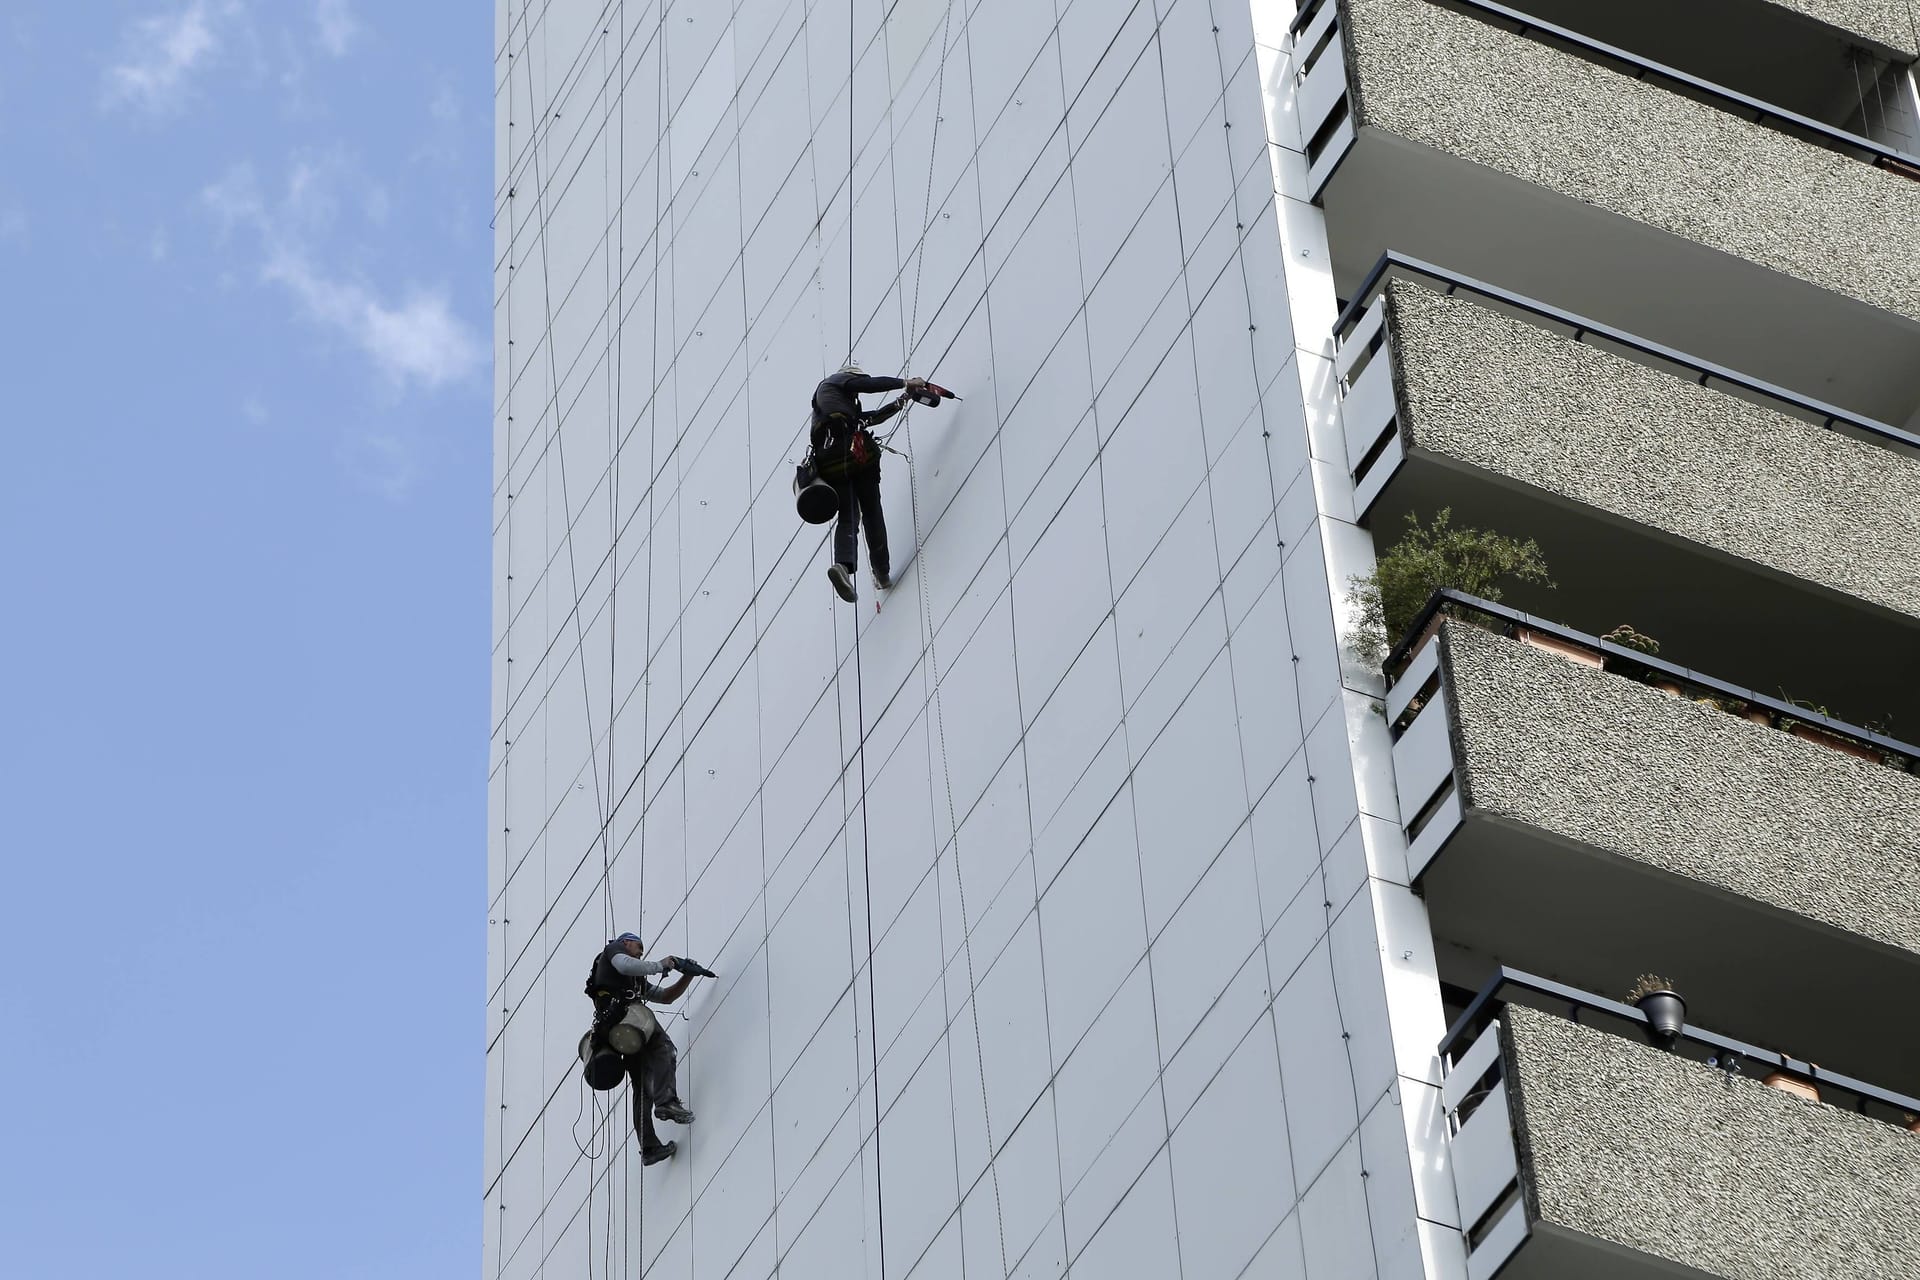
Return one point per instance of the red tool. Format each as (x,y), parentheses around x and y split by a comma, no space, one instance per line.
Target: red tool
(930,395)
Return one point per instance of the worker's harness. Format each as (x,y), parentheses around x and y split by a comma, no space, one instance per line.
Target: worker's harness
(622,1026)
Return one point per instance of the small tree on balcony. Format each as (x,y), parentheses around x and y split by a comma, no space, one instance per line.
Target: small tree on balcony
(1426,559)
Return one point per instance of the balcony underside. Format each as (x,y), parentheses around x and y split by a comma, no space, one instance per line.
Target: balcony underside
(1753,627)
(1502,892)
(1552,1253)
(1781,57)
(1389,193)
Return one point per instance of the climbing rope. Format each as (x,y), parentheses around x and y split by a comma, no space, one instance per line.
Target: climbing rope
(558,444)
(933,654)
(859,690)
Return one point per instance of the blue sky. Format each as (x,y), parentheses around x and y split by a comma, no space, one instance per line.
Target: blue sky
(245,367)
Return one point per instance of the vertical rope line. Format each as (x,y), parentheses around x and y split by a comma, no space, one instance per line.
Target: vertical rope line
(506,750)
(933,658)
(566,502)
(873,1013)
(959,875)
(617,428)
(662,157)
(859,690)
(852,192)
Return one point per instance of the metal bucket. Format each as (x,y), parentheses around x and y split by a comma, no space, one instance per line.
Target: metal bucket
(813,497)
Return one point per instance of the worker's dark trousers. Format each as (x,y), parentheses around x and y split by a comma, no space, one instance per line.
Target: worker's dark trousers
(859,491)
(650,1073)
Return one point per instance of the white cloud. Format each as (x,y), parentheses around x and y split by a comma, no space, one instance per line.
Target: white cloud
(337,25)
(416,338)
(445,103)
(419,339)
(235,198)
(163,52)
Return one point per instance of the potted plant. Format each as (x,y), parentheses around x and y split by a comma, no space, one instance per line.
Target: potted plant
(1666,1011)
(1627,638)
(1428,558)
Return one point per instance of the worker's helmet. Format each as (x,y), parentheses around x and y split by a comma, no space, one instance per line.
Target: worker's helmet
(630,937)
(852,366)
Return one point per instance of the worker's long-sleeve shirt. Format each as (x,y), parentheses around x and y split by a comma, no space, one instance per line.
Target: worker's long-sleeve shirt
(634,967)
(639,970)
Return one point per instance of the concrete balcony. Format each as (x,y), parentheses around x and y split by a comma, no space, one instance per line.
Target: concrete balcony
(1743,527)
(1699,218)
(1581,1153)
(1568,817)
(1843,63)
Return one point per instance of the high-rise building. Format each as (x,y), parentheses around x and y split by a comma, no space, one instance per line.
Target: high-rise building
(1090,902)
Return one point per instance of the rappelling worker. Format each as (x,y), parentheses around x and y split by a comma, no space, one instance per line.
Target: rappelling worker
(848,458)
(620,983)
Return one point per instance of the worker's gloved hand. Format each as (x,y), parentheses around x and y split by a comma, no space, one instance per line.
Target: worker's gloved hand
(669,962)
(916,384)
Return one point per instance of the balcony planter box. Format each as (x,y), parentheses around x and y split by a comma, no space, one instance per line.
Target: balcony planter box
(1813,733)
(1791,1084)
(1565,648)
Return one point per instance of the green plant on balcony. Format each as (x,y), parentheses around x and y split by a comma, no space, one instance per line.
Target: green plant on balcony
(1429,558)
(1788,722)
(1827,738)
(1627,638)
(1640,642)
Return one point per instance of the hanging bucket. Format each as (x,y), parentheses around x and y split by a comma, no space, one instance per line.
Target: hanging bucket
(602,1067)
(631,1033)
(813,497)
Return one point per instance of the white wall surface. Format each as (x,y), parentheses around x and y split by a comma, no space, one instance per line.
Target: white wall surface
(1124,969)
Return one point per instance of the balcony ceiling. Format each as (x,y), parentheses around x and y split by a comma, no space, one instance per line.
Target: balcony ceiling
(1505,893)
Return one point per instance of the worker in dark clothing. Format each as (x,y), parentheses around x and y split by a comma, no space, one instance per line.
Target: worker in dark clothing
(848,458)
(620,991)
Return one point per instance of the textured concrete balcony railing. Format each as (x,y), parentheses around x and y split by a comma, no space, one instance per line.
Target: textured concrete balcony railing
(1583,824)
(1584,1154)
(1744,532)
(1442,136)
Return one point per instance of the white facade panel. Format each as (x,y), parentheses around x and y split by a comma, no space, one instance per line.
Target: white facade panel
(1066,839)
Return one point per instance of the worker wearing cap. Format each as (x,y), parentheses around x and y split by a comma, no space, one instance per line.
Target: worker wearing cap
(848,458)
(620,978)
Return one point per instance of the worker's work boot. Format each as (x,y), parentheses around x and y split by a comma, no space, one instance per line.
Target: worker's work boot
(882,580)
(673,1110)
(654,1155)
(842,576)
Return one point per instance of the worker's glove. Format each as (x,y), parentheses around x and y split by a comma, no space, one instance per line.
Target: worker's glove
(916,384)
